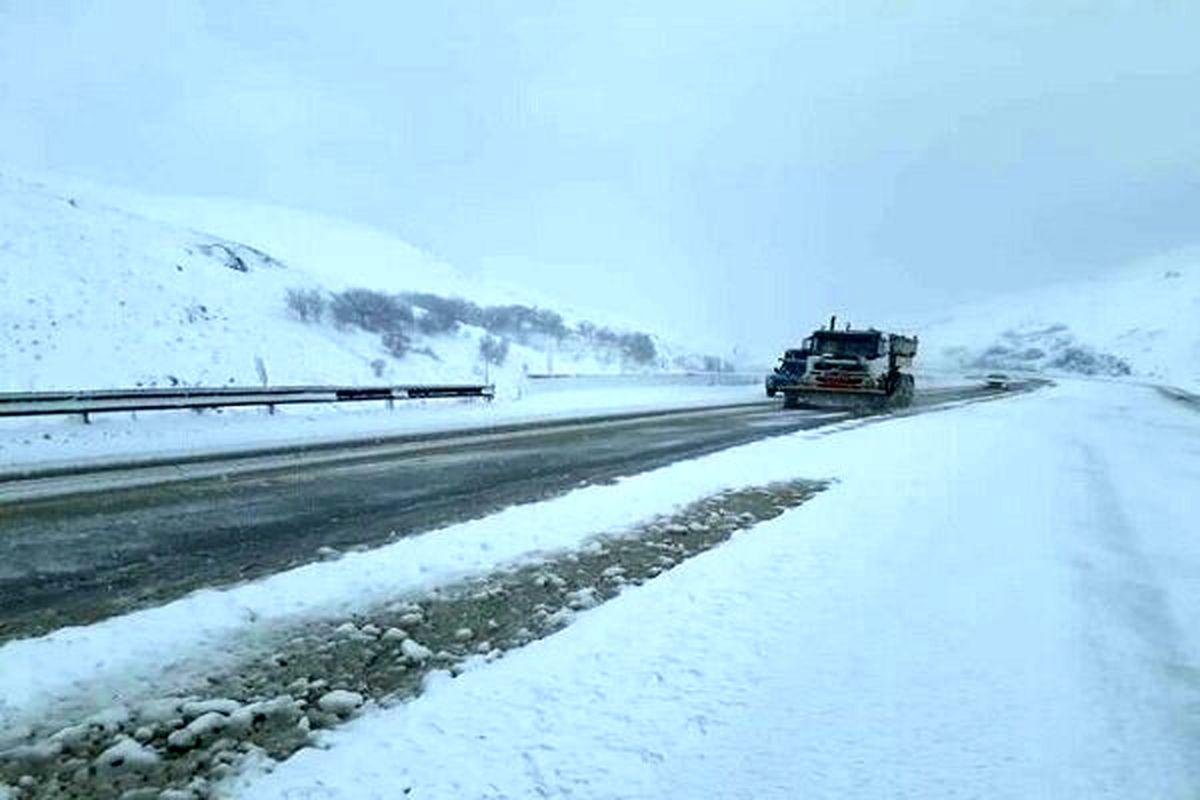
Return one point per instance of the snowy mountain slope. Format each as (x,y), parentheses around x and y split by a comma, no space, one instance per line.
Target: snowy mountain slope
(1142,320)
(95,296)
(320,244)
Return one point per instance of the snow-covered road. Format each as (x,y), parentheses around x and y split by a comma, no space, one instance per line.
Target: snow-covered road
(995,601)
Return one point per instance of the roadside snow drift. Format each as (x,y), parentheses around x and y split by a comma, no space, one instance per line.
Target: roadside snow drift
(994,602)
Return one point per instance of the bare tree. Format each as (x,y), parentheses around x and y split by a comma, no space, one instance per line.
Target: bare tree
(307,305)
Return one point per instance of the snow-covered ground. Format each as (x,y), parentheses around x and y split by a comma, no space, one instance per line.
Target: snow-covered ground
(990,601)
(1142,320)
(995,603)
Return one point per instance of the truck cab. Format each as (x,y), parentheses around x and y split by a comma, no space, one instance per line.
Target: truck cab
(865,368)
(792,366)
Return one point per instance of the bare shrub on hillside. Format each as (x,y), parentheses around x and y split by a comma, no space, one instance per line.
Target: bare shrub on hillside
(435,321)
(396,343)
(493,350)
(524,322)
(306,305)
(372,311)
(463,312)
(638,347)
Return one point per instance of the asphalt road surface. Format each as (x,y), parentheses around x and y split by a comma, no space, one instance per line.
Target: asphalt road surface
(78,548)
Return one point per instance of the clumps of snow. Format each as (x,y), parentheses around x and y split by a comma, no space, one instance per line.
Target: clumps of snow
(177,794)
(340,702)
(160,710)
(548,578)
(203,727)
(199,708)
(557,619)
(141,748)
(328,553)
(125,756)
(414,652)
(394,635)
(411,618)
(32,754)
(582,599)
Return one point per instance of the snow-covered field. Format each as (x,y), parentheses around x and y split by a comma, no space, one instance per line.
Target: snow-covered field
(1142,320)
(989,601)
(1005,613)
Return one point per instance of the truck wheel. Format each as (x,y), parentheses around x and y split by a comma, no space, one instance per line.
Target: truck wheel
(790,400)
(902,394)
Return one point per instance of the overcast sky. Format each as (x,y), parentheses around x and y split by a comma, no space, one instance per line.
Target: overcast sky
(742,167)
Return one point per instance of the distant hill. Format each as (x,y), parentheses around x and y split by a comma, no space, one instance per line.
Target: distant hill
(93,295)
(1141,321)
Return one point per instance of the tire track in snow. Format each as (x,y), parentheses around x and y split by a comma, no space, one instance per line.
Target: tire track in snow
(1119,583)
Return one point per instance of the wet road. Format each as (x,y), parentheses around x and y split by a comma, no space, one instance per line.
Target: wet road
(102,545)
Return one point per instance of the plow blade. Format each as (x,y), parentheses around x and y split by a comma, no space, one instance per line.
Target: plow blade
(841,400)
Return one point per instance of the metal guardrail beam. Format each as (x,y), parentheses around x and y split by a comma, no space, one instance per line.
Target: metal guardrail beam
(635,376)
(85,403)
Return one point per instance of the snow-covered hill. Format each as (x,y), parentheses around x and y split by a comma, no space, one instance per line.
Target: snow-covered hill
(92,295)
(1141,321)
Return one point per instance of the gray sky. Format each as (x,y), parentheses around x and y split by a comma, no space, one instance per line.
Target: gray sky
(741,169)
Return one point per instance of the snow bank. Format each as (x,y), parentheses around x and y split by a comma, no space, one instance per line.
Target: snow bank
(992,602)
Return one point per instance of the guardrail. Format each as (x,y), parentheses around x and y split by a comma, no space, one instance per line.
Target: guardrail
(86,403)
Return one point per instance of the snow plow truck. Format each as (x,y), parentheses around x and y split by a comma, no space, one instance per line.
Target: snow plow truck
(861,370)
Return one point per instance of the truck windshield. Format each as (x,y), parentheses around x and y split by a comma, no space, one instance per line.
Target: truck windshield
(848,344)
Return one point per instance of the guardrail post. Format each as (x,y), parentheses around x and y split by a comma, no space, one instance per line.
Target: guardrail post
(391,403)
(87,418)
